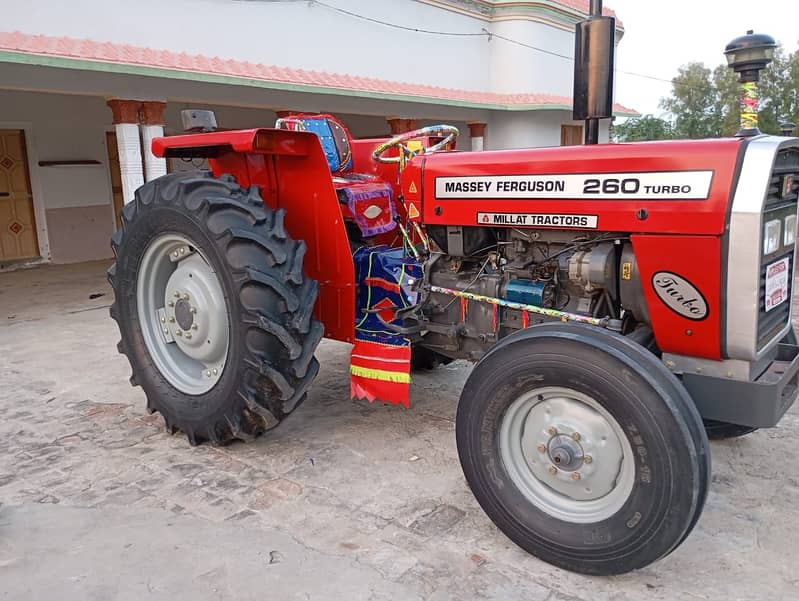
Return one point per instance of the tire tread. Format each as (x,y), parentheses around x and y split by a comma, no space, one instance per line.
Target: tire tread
(272,383)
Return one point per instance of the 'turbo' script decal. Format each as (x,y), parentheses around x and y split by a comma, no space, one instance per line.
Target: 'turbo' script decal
(680,295)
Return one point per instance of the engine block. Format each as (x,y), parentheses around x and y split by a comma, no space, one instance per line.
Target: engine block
(551,269)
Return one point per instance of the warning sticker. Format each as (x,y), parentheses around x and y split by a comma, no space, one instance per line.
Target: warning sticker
(651,185)
(413,212)
(538,220)
(777,283)
(412,188)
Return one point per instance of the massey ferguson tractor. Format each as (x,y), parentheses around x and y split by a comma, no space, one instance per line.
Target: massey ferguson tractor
(621,302)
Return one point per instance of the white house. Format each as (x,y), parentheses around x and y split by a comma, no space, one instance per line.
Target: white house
(85,85)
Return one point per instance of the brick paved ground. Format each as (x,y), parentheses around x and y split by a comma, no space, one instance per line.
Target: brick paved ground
(343,501)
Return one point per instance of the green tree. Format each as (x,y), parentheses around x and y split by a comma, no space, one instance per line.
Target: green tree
(706,104)
(646,127)
(778,91)
(728,100)
(694,103)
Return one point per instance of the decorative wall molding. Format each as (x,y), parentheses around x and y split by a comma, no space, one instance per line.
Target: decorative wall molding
(562,14)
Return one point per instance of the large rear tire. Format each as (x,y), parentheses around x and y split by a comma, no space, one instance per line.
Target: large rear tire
(583,448)
(213,306)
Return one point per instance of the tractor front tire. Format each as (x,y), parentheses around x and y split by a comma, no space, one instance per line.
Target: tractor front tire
(583,448)
(214,308)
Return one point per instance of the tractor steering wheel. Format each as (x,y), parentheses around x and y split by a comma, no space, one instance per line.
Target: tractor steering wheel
(399,142)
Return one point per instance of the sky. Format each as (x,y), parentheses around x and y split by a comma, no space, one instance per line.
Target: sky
(661,36)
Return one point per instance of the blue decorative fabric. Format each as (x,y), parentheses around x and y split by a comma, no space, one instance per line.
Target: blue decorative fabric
(385,278)
(321,127)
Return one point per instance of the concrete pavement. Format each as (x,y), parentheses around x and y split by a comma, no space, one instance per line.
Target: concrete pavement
(342,501)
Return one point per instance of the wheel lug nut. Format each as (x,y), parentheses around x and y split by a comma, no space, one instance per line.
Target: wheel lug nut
(178,333)
(553,431)
(553,470)
(186,296)
(193,310)
(576,476)
(588,459)
(194,326)
(163,319)
(177,294)
(542,448)
(182,251)
(166,331)
(208,373)
(171,320)
(188,336)
(171,303)
(215,371)
(576,436)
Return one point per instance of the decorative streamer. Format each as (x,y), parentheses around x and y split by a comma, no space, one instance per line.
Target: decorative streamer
(562,315)
(749,102)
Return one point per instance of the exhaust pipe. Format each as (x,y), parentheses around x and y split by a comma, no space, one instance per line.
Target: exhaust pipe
(594,55)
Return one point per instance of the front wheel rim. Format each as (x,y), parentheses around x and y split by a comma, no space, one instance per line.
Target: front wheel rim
(567,455)
(183,314)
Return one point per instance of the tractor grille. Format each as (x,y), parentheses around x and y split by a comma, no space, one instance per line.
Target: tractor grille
(780,203)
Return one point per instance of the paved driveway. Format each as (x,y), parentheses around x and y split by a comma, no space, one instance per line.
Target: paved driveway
(343,501)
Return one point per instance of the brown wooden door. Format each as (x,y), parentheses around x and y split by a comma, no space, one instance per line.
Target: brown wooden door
(116,174)
(571,135)
(18,239)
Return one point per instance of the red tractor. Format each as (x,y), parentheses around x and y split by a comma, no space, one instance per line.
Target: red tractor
(622,302)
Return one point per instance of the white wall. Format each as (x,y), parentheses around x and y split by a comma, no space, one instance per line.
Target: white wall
(532,129)
(524,129)
(296,34)
(517,69)
(309,36)
(76,201)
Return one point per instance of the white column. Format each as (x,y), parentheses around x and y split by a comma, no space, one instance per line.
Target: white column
(153,166)
(130,160)
(477,130)
(152,120)
(126,123)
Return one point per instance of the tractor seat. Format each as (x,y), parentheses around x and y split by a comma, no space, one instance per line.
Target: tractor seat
(332,134)
(366,200)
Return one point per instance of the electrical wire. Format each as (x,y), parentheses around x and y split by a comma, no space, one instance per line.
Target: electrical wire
(482,33)
(469,285)
(394,25)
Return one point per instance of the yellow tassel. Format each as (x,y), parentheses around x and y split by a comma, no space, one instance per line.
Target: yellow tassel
(381,374)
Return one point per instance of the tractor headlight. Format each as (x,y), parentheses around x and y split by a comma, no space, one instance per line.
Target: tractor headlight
(789,237)
(771,236)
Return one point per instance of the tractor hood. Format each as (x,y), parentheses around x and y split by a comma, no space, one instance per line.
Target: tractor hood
(680,187)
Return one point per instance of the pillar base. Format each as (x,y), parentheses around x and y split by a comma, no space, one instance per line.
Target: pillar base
(748,133)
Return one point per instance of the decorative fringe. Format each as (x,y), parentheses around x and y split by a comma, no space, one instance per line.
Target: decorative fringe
(380,374)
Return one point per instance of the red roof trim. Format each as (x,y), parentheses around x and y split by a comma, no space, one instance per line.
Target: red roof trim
(109,52)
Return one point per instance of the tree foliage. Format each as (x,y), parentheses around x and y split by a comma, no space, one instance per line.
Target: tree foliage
(646,127)
(704,103)
(694,103)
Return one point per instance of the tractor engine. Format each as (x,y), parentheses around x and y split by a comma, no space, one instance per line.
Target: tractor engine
(552,269)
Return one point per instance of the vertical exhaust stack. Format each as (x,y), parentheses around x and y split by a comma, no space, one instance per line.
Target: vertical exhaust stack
(594,54)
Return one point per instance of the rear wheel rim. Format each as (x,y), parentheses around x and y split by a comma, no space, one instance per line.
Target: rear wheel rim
(183,314)
(567,455)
